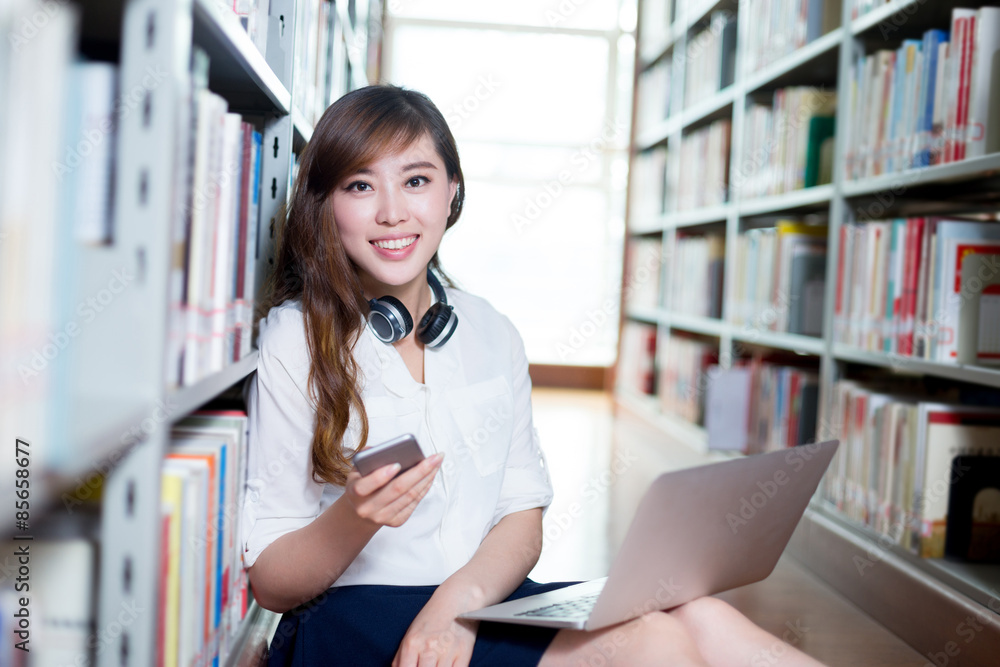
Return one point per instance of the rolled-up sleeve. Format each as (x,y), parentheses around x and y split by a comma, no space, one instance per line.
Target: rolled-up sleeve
(281,495)
(526,482)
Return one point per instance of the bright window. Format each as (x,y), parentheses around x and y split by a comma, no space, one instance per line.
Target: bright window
(540,107)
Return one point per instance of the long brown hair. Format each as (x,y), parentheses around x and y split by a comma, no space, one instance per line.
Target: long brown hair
(311,263)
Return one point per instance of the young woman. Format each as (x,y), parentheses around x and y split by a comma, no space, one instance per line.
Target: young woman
(375,569)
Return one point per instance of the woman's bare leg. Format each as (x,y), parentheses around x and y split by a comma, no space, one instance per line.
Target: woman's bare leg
(653,639)
(724,636)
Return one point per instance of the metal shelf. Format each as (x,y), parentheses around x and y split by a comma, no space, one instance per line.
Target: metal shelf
(238,70)
(650,315)
(706,108)
(787,201)
(899,182)
(659,132)
(989,377)
(648,225)
(253,637)
(699,216)
(779,340)
(187,399)
(708,326)
(921,600)
(874,17)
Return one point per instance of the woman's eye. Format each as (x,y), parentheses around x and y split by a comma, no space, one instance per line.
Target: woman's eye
(359,186)
(417,181)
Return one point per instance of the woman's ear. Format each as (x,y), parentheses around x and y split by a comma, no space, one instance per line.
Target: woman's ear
(454,192)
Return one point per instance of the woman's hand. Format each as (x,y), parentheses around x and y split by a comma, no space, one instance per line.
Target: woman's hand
(384,501)
(436,636)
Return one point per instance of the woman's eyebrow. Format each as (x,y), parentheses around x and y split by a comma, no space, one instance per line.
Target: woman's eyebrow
(419,165)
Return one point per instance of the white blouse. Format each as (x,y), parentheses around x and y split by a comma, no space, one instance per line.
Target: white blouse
(475,407)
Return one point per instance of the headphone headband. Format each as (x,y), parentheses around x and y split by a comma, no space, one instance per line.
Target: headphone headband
(391,322)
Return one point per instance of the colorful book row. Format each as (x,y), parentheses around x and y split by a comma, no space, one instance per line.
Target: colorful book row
(788,144)
(920,287)
(214,258)
(915,470)
(696,275)
(759,406)
(780,278)
(202,584)
(928,102)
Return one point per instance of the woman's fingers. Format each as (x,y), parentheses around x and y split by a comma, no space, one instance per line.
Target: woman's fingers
(403,504)
(369,484)
(382,497)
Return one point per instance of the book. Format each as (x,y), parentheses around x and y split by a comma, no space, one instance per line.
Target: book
(982,135)
(946,431)
(87,172)
(973,528)
(977,339)
(727,407)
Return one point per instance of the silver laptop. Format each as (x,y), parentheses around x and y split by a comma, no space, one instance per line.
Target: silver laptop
(697,532)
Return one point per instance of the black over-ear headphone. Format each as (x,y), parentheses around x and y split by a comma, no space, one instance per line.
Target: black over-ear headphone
(390,322)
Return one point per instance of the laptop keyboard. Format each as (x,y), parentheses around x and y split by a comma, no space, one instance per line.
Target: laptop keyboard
(571,608)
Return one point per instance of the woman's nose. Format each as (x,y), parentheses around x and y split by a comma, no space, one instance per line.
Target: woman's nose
(392,208)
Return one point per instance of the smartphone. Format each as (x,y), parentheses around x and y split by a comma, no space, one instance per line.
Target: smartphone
(403,450)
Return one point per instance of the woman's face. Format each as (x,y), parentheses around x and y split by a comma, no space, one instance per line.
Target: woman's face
(392,214)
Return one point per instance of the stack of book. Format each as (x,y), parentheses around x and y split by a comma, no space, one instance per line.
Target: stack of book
(929,101)
(214,237)
(703,180)
(682,376)
(780,278)
(636,368)
(788,145)
(920,287)
(758,406)
(648,190)
(643,259)
(48,611)
(203,586)
(654,94)
(710,58)
(696,275)
(314,78)
(656,18)
(253,15)
(783,26)
(35,72)
(907,466)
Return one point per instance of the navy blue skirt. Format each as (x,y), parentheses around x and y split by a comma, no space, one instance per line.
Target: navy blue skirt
(364,625)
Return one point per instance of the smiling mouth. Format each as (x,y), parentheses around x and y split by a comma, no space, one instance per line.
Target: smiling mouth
(394,244)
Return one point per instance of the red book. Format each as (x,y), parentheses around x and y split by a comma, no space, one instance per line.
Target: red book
(161,621)
(794,405)
(965,77)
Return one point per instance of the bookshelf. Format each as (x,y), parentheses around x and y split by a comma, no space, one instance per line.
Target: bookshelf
(921,600)
(112,380)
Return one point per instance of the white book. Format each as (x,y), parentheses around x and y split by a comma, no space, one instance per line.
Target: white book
(202,218)
(982,131)
(956,252)
(938,121)
(91,149)
(223,256)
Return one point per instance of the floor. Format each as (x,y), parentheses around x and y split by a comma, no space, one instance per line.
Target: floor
(597,482)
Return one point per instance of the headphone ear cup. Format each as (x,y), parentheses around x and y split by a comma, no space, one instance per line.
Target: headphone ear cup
(437,325)
(388,319)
